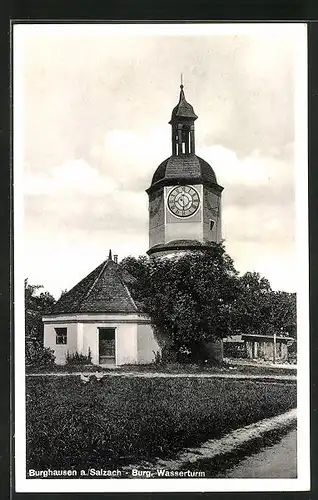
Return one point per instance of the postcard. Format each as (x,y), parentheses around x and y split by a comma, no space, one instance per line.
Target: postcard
(160,257)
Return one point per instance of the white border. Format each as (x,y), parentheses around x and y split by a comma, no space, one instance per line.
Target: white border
(302,259)
(302,483)
(194,29)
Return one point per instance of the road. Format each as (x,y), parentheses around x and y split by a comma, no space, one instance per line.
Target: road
(277,461)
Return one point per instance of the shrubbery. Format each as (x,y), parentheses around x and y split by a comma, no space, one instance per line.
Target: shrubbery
(37,355)
(78,359)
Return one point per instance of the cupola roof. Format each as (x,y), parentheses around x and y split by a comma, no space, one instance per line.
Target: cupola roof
(183,109)
(184,169)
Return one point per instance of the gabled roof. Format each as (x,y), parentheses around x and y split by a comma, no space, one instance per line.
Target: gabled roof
(103,290)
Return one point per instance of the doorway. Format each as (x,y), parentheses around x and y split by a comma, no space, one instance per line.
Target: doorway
(107,346)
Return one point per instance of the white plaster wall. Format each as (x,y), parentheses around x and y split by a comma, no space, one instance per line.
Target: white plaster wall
(82,332)
(80,338)
(184,231)
(126,343)
(90,340)
(146,344)
(60,350)
(179,228)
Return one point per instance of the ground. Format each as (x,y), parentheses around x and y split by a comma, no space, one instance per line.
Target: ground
(274,461)
(122,420)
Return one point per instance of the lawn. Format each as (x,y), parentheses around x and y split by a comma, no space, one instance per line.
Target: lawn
(120,421)
(257,369)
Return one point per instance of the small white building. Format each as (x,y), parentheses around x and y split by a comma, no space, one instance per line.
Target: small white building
(100,315)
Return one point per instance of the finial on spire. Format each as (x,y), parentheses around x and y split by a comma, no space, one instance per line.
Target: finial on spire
(181,86)
(110,257)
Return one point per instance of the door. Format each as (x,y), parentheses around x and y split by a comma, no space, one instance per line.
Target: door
(107,346)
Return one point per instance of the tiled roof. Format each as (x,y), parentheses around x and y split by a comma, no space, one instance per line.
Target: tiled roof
(191,168)
(103,290)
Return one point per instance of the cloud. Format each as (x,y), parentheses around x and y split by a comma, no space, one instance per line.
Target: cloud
(255,169)
(96,128)
(131,158)
(79,88)
(73,215)
(75,176)
(75,195)
(74,203)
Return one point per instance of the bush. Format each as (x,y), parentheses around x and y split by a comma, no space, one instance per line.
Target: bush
(157,358)
(79,359)
(37,355)
(234,350)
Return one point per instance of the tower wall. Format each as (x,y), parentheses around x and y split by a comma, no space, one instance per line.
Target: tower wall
(156,218)
(189,228)
(191,213)
(212,212)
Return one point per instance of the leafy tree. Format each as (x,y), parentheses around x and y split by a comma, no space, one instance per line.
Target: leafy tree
(259,309)
(36,305)
(196,297)
(283,313)
(250,309)
(188,297)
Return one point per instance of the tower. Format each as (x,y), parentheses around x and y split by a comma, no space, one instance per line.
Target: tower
(184,196)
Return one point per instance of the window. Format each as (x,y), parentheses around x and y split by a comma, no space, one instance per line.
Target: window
(212,222)
(61,335)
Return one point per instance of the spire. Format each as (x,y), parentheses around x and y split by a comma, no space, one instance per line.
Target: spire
(182,122)
(182,99)
(183,109)
(110,257)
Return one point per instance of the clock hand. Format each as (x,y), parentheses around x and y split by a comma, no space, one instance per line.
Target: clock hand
(184,197)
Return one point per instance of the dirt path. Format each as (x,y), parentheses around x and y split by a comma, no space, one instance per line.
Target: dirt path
(276,461)
(243,362)
(209,454)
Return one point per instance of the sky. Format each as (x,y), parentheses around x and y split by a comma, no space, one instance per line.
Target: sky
(95,127)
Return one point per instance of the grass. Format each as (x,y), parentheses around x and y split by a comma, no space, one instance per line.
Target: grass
(65,368)
(121,421)
(168,368)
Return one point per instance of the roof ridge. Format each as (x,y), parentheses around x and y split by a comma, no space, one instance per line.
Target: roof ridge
(126,289)
(94,283)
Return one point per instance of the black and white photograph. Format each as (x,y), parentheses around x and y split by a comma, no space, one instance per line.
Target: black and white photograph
(161,257)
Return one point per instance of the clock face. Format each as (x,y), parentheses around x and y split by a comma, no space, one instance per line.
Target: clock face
(183,201)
